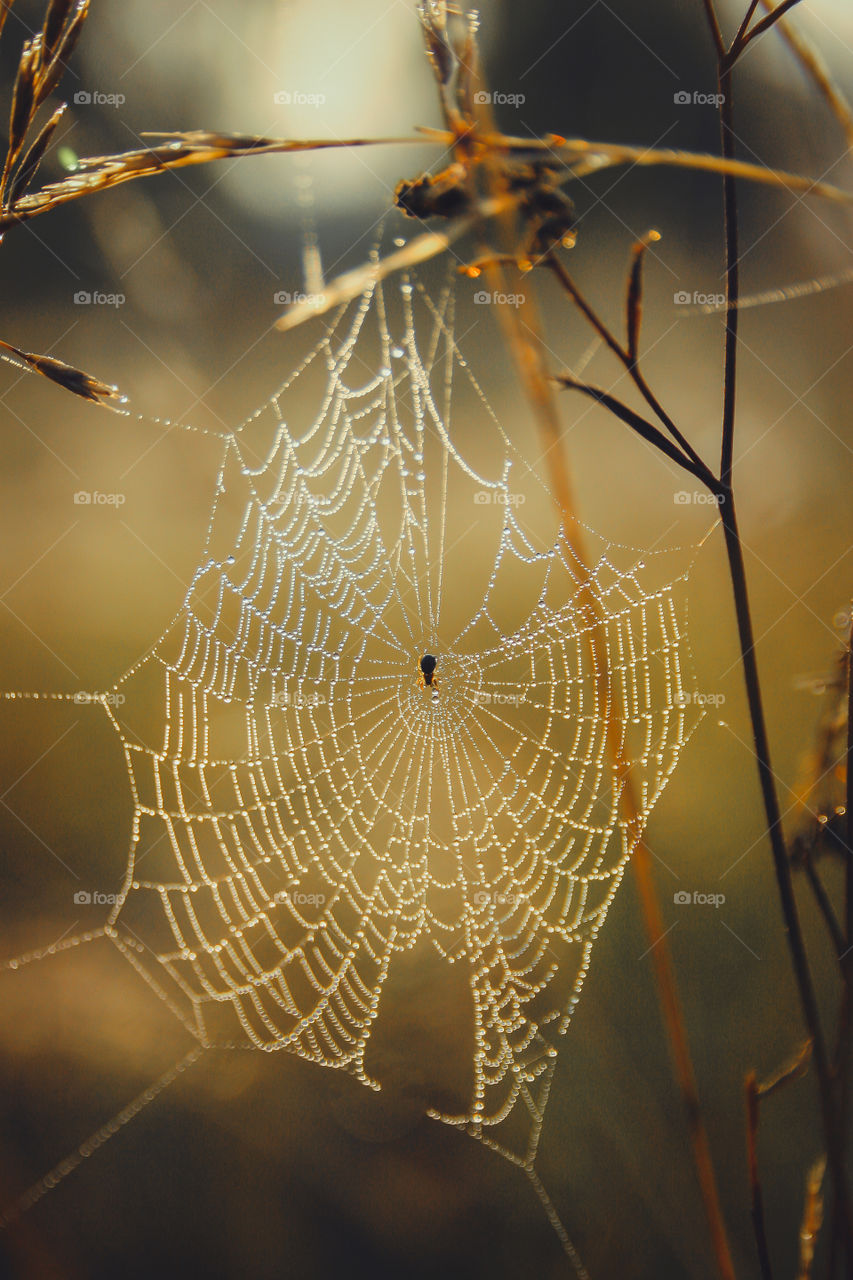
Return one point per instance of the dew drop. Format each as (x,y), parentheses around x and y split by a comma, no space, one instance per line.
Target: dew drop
(399,242)
(68,158)
(397,352)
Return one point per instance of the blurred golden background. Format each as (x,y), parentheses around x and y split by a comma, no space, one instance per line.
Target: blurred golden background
(261,1165)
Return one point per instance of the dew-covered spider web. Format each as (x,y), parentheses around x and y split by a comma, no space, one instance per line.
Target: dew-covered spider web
(306,808)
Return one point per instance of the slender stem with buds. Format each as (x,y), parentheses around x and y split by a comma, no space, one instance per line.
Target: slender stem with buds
(726,61)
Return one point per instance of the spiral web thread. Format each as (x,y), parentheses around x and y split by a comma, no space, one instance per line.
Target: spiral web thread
(304,811)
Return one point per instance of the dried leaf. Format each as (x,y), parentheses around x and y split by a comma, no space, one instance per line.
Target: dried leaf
(98,173)
(54,22)
(66,375)
(23,96)
(433,16)
(5,8)
(53,74)
(631,419)
(634,305)
(33,157)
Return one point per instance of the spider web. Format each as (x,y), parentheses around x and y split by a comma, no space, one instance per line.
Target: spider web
(304,811)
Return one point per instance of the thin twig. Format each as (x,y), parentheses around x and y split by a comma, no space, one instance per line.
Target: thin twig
(714,24)
(632,366)
(760,27)
(796,942)
(813,65)
(824,903)
(754,1093)
(844,1044)
(812,1220)
(734,550)
(640,425)
(759,1225)
(744,26)
(848,809)
(732,276)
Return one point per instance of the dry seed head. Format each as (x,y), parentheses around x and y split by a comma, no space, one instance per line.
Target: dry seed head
(54,23)
(33,157)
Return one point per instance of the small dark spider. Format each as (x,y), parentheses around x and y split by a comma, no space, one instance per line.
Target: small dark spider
(426,667)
